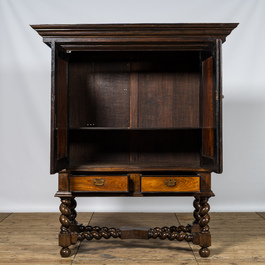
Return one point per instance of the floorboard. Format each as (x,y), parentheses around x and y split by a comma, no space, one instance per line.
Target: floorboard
(32,238)
(237,238)
(3,216)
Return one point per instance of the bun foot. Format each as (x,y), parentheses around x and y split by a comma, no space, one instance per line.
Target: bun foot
(65,252)
(204,252)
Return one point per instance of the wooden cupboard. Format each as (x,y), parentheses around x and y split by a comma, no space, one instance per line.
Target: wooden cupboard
(136,110)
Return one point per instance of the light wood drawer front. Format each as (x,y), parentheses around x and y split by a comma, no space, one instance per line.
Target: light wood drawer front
(99,183)
(170,184)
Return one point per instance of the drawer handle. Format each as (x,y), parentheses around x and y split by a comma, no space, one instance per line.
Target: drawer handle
(99,182)
(170,182)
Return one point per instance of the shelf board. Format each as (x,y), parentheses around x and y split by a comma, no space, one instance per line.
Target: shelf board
(135,166)
(134,128)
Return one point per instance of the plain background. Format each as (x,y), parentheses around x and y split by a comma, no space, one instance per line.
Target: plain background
(25,182)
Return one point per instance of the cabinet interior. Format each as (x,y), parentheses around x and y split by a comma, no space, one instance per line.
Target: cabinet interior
(140,107)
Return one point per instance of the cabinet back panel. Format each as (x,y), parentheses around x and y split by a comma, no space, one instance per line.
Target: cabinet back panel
(178,146)
(164,90)
(93,146)
(169,92)
(99,93)
(181,147)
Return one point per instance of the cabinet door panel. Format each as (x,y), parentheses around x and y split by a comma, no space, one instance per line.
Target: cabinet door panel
(218,105)
(211,109)
(207,109)
(59,113)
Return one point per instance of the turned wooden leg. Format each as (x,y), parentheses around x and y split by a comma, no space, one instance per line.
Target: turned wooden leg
(75,227)
(196,215)
(74,224)
(65,220)
(205,236)
(195,227)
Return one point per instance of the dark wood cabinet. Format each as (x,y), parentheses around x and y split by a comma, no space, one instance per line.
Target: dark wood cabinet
(136,110)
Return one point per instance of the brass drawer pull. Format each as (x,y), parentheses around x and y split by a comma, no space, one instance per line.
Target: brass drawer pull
(170,182)
(99,182)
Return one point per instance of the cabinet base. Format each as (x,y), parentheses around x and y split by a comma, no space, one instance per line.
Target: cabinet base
(198,233)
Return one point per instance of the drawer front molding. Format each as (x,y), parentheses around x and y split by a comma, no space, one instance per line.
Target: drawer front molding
(99,183)
(170,184)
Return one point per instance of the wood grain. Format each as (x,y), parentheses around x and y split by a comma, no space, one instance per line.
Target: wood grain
(207,108)
(169,90)
(112,166)
(59,120)
(134,36)
(92,146)
(110,183)
(139,76)
(219,106)
(134,90)
(236,244)
(99,90)
(179,147)
(3,216)
(61,107)
(156,90)
(30,238)
(63,182)
(158,184)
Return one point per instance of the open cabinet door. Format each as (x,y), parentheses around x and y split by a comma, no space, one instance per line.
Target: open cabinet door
(211,108)
(59,113)
(218,106)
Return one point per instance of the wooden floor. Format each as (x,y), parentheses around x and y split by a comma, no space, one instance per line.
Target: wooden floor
(31,238)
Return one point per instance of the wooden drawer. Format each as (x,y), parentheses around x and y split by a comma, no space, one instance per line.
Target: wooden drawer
(99,183)
(170,184)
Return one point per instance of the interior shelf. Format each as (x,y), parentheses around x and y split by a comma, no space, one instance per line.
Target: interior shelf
(134,128)
(136,166)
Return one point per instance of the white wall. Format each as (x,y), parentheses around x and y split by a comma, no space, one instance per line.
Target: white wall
(25,183)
